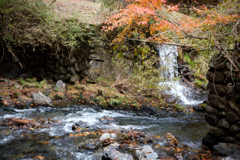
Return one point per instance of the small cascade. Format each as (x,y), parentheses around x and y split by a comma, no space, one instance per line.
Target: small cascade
(169,73)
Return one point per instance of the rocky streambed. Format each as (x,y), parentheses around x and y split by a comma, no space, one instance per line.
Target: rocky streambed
(75,131)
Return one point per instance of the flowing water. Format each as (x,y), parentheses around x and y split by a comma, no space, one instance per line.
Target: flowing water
(168,62)
(28,143)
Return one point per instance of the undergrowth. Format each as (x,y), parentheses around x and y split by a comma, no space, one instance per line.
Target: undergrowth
(32,24)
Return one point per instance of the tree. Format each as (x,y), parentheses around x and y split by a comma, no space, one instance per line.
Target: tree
(215,29)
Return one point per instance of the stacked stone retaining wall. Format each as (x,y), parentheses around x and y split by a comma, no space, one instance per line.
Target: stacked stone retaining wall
(223,111)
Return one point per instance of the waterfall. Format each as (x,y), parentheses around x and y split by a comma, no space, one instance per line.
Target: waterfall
(169,73)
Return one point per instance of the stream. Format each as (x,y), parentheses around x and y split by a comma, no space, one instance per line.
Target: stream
(54,142)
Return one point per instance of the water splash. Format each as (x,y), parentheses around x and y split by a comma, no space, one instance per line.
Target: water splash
(168,62)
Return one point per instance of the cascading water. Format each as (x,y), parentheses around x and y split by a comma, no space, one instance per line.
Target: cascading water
(168,62)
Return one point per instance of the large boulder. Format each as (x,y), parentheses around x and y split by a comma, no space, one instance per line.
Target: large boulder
(40,99)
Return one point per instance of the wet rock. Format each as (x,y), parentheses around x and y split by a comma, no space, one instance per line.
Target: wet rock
(198,108)
(82,124)
(108,120)
(108,136)
(171,140)
(146,153)
(114,145)
(40,99)
(146,108)
(10,70)
(228,149)
(60,85)
(91,144)
(110,153)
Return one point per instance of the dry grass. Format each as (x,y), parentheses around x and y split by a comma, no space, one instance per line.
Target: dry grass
(86,11)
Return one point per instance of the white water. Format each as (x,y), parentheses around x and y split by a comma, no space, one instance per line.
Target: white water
(168,62)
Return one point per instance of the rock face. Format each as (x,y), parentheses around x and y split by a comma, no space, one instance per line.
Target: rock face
(223,112)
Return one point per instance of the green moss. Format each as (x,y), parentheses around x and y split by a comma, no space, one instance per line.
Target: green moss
(21,81)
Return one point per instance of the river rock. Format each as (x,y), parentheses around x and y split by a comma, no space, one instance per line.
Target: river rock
(90,144)
(110,153)
(146,108)
(40,99)
(146,153)
(60,85)
(82,124)
(108,120)
(228,149)
(10,70)
(108,136)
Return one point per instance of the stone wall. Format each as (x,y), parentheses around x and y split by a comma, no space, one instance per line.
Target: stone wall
(223,111)
(90,60)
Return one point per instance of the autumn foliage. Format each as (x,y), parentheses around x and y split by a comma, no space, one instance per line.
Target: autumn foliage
(154,20)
